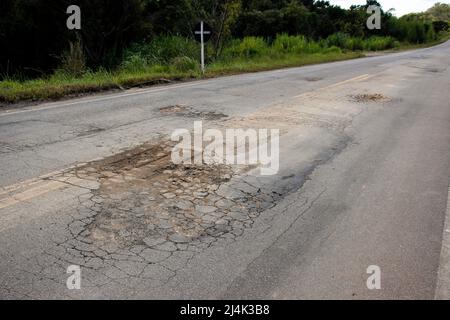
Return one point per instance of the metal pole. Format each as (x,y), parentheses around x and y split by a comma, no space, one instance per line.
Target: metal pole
(203,47)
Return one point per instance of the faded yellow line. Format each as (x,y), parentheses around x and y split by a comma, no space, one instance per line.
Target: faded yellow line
(34,192)
(359,78)
(32,188)
(33,181)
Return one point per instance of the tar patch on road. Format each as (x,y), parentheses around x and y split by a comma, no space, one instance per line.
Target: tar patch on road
(365,98)
(313,79)
(190,112)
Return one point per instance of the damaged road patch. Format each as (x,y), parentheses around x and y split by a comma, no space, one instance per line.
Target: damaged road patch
(145,217)
(366,98)
(190,112)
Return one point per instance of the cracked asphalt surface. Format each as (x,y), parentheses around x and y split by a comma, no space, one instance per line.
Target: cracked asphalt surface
(364,177)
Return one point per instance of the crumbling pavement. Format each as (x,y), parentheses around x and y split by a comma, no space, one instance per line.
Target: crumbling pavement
(144,217)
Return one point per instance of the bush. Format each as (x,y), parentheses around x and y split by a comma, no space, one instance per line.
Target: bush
(286,43)
(163,49)
(332,49)
(374,43)
(73,61)
(430,33)
(354,44)
(416,33)
(248,47)
(338,39)
(314,47)
(133,63)
(380,43)
(185,64)
(439,26)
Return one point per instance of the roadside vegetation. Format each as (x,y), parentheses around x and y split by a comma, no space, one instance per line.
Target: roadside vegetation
(248,41)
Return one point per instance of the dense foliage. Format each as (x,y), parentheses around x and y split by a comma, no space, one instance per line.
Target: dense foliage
(134,33)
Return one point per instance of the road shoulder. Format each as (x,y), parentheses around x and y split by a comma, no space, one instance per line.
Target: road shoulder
(443,282)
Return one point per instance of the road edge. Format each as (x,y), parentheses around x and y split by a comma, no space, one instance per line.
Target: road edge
(443,279)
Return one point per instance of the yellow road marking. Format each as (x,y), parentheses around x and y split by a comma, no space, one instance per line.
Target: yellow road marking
(359,78)
(31,193)
(28,189)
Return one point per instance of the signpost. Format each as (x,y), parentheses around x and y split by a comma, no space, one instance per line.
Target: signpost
(202,33)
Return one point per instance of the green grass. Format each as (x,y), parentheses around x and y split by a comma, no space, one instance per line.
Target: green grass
(266,63)
(56,87)
(143,64)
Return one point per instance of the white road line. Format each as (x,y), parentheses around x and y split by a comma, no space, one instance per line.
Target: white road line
(443,281)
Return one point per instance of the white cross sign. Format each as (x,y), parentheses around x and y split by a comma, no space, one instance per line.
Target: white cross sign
(202,33)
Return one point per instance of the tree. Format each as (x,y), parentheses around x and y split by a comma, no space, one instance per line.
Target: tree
(221,15)
(34,33)
(439,12)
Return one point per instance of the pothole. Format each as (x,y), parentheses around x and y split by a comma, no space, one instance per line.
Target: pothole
(91,131)
(436,70)
(174,109)
(313,79)
(431,69)
(5,147)
(190,112)
(364,98)
(209,115)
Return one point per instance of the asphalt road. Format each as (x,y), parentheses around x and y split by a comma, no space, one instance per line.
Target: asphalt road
(363,180)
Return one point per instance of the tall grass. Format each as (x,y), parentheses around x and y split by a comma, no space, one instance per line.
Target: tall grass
(163,49)
(296,44)
(375,43)
(73,61)
(249,47)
